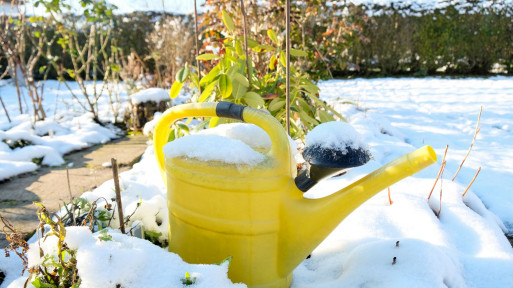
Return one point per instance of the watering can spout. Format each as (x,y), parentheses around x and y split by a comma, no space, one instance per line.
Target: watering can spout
(311,220)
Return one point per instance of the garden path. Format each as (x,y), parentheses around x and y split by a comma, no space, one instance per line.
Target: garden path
(49,185)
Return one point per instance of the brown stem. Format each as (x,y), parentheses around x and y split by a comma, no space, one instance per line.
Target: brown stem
(441,182)
(439,171)
(5,109)
(246,41)
(198,70)
(475,176)
(287,49)
(472,144)
(389,198)
(118,195)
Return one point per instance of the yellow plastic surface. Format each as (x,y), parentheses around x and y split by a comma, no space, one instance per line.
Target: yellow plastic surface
(256,214)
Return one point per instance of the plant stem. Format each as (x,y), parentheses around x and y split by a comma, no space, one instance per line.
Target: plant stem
(5,109)
(71,199)
(471,144)
(439,171)
(118,194)
(287,49)
(198,70)
(475,176)
(243,11)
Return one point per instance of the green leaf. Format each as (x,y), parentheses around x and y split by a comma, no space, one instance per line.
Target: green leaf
(298,53)
(207,91)
(272,36)
(207,56)
(104,236)
(175,89)
(226,260)
(33,19)
(228,21)
(252,43)
(115,67)
(241,79)
(276,104)
(213,122)
(325,116)
(37,34)
(283,59)
(272,62)
(183,127)
(225,86)
(239,50)
(240,87)
(264,48)
(182,74)
(211,75)
(307,118)
(253,99)
(70,73)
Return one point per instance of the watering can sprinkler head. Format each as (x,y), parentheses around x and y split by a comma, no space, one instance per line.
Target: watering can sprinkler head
(324,162)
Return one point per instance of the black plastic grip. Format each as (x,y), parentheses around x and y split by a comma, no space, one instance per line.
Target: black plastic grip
(229,110)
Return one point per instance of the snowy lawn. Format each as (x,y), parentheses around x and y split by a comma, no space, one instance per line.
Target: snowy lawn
(379,245)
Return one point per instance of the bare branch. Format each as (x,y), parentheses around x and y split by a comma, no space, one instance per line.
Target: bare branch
(478,128)
(475,176)
(439,171)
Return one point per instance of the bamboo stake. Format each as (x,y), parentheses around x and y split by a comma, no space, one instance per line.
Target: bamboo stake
(287,49)
(243,10)
(472,144)
(475,176)
(197,44)
(5,109)
(439,171)
(118,195)
(441,184)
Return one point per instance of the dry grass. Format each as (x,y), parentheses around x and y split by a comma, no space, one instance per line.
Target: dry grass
(478,128)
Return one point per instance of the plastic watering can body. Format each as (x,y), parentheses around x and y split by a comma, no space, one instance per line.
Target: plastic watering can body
(255,214)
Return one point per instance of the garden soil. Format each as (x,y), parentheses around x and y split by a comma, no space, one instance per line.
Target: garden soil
(49,185)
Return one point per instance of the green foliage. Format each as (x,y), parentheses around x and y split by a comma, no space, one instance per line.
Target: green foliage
(188,280)
(57,270)
(228,80)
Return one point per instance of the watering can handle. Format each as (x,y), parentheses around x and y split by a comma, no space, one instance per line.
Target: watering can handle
(280,149)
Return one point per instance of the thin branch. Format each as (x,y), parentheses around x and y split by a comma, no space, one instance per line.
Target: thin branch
(478,128)
(475,176)
(118,195)
(196,33)
(389,199)
(287,49)
(246,41)
(439,171)
(5,109)
(441,184)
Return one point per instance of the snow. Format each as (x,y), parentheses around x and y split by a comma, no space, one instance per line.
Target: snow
(464,247)
(335,135)
(151,94)
(213,148)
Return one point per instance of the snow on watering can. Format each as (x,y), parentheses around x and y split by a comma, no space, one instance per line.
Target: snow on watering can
(257,213)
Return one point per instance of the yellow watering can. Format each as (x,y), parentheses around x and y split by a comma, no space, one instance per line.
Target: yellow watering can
(258,215)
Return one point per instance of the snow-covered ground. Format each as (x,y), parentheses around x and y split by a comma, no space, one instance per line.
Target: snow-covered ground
(464,247)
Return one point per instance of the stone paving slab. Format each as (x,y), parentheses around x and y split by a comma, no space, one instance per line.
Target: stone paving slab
(49,186)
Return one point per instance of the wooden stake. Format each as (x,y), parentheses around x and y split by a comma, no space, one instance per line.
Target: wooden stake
(475,176)
(5,109)
(197,44)
(71,198)
(439,171)
(441,184)
(472,144)
(118,194)
(287,49)
(246,41)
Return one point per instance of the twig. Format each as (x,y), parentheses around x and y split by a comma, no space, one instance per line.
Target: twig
(389,199)
(5,109)
(441,184)
(196,33)
(472,144)
(71,199)
(287,81)
(475,176)
(243,11)
(439,171)
(118,195)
